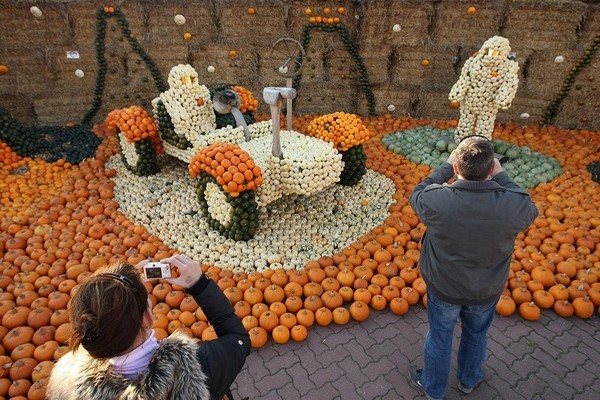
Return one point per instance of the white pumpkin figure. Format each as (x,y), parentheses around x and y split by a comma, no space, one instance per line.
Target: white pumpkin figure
(488,82)
(188,103)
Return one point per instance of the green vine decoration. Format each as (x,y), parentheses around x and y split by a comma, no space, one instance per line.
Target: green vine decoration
(550,113)
(101,16)
(340,28)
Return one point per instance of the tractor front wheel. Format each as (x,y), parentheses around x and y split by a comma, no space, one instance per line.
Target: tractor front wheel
(233,217)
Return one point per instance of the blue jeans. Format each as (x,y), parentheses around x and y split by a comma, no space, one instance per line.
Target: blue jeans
(475,321)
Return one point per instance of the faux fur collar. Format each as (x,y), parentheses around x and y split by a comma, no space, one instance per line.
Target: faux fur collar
(174,373)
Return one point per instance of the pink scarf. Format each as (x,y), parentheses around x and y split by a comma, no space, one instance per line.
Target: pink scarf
(133,363)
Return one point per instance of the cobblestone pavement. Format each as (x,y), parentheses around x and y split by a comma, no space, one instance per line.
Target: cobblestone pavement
(553,358)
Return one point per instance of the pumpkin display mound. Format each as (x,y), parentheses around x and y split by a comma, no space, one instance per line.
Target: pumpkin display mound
(290,232)
(337,257)
(594,169)
(72,143)
(432,146)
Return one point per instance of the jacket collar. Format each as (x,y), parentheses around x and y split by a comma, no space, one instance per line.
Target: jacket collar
(486,185)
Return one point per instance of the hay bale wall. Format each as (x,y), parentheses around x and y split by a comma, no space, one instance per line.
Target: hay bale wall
(42,89)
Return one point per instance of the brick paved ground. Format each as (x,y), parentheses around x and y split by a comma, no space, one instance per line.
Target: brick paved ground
(553,358)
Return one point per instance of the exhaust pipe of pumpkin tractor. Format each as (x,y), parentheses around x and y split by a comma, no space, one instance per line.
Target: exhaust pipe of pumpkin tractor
(274,97)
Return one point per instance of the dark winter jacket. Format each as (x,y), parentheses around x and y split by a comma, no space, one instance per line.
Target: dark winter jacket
(180,369)
(471,230)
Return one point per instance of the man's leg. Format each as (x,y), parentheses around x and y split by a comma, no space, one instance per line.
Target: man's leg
(476,321)
(438,345)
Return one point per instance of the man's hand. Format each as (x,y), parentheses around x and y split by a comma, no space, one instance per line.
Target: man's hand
(497,168)
(452,158)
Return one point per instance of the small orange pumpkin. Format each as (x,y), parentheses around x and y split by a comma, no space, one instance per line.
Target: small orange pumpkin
(530,311)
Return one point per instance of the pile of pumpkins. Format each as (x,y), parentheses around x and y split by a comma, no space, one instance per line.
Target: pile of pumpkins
(432,146)
(53,236)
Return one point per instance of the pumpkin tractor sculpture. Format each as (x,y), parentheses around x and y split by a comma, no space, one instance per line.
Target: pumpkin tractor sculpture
(241,169)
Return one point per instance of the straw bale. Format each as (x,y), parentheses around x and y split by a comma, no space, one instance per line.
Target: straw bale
(342,69)
(167,56)
(325,98)
(321,108)
(261,29)
(544,25)
(542,69)
(331,63)
(590,24)
(164,30)
(386,95)
(454,27)
(381,64)
(60,109)
(379,17)
(581,107)
(69,81)
(235,70)
(18,28)
(579,120)
(407,65)
(523,104)
(400,97)
(37,66)
(433,103)
(299,20)
(135,12)
(19,106)
(439,31)
(327,58)
(84,22)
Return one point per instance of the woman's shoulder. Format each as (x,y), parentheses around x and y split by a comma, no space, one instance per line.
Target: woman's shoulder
(177,347)
(72,373)
(178,339)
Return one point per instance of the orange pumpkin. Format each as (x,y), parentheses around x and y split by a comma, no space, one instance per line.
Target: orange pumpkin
(583,307)
(530,311)
(258,337)
(359,311)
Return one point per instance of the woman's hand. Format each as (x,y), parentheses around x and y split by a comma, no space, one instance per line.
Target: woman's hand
(189,270)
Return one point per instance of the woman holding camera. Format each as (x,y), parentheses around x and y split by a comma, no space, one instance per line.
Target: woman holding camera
(116,356)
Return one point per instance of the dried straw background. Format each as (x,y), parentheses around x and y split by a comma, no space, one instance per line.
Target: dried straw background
(42,88)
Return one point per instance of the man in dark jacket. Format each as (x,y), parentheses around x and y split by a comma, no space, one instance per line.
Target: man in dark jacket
(465,258)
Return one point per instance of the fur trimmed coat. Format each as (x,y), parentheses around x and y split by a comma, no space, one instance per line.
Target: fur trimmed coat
(181,368)
(83,377)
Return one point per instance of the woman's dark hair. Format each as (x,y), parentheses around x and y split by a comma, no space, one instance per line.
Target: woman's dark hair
(475,158)
(107,311)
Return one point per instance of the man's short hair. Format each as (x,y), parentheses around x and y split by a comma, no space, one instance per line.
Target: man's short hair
(475,158)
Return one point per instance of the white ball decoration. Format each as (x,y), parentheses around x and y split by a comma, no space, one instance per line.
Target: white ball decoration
(210,69)
(179,19)
(397,28)
(391,108)
(559,59)
(79,73)
(525,115)
(36,12)
(283,69)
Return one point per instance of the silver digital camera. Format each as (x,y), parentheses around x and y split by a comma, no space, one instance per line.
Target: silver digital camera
(157,270)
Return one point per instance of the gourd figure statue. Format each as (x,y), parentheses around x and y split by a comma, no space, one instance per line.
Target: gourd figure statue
(188,103)
(488,82)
